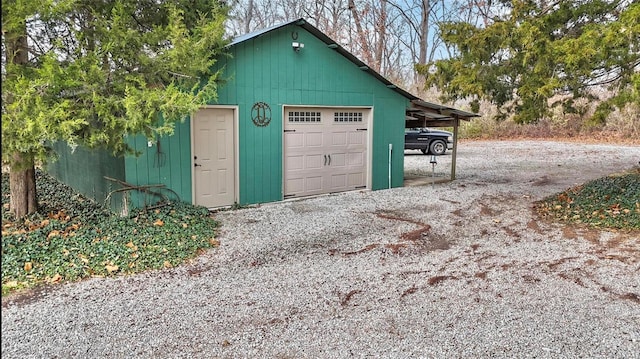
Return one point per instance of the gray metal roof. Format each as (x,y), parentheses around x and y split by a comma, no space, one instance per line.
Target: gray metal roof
(258,33)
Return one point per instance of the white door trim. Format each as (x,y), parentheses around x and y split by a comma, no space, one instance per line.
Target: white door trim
(236,150)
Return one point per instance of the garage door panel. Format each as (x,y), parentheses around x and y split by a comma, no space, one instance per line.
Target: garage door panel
(313,184)
(294,163)
(294,140)
(338,160)
(356,179)
(314,139)
(357,138)
(339,138)
(295,185)
(338,182)
(356,159)
(313,162)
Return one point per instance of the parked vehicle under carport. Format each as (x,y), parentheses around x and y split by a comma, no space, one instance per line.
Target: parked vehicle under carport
(435,142)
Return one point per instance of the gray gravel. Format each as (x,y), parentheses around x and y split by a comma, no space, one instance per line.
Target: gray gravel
(462,269)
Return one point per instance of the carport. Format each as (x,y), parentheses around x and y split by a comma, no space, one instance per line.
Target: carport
(426,114)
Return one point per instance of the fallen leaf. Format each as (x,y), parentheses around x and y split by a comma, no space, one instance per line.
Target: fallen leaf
(44,222)
(111,268)
(83,258)
(53,233)
(158,223)
(28,266)
(132,246)
(167,264)
(214,242)
(56,278)
(184,225)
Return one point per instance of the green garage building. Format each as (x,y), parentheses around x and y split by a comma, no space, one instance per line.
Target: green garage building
(298,116)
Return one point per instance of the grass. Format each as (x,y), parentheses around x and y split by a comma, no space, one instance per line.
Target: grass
(609,202)
(71,238)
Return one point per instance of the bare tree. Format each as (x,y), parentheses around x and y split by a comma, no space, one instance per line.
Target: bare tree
(391,36)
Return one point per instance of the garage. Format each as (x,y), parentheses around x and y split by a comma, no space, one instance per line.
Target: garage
(325,150)
(296,115)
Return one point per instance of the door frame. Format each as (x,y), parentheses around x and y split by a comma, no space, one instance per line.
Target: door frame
(236,150)
(369,138)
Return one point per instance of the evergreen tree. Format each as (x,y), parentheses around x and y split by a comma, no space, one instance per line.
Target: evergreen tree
(538,49)
(93,72)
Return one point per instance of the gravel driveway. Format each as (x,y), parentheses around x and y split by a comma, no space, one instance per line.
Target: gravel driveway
(456,270)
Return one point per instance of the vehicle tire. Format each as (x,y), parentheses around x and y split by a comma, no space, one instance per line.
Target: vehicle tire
(438,147)
(424,151)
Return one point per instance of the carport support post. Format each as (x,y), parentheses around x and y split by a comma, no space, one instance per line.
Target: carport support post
(456,123)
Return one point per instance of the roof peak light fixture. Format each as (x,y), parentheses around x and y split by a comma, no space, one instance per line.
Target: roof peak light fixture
(297,46)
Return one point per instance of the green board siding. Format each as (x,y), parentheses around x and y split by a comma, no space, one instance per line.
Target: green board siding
(266,69)
(84,171)
(168,164)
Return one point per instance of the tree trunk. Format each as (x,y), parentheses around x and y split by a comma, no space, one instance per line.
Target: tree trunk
(248,17)
(382,37)
(22,175)
(364,42)
(424,31)
(22,186)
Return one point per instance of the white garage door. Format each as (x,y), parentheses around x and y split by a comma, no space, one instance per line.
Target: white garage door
(325,150)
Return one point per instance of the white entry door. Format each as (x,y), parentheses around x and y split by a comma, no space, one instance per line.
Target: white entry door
(214,157)
(325,150)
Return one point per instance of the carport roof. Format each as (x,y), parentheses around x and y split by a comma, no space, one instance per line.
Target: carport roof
(427,114)
(424,107)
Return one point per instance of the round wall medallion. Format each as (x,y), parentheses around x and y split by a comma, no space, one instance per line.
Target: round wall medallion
(261,114)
